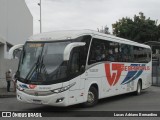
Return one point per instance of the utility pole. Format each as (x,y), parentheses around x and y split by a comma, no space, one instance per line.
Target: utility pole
(40,21)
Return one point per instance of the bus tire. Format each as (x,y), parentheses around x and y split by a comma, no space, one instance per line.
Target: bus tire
(139,88)
(92,98)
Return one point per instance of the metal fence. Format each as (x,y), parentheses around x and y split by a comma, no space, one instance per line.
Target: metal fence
(156,72)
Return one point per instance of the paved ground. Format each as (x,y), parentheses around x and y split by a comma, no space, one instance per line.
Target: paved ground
(149,100)
(4,93)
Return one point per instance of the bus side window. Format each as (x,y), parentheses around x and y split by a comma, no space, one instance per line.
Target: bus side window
(126,53)
(92,54)
(110,56)
(97,51)
(74,62)
(77,61)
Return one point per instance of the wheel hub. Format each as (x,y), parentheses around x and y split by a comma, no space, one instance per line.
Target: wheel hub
(90,97)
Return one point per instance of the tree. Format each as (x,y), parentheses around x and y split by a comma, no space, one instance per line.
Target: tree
(138,29)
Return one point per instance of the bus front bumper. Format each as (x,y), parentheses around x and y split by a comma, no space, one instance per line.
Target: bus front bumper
(56,99)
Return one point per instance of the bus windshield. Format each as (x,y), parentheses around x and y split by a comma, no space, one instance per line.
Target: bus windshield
(42,62)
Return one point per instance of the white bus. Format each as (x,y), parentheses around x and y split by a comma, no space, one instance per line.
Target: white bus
(63,68)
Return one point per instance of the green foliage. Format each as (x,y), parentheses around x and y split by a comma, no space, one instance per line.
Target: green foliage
(138,29)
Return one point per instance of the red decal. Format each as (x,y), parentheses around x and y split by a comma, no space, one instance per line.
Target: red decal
(117,70)
(32,86)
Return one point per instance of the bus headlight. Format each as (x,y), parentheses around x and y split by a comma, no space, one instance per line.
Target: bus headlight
(62,89)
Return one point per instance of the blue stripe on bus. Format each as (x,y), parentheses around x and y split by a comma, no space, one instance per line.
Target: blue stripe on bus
(137,75)
(130,74)
(133,77)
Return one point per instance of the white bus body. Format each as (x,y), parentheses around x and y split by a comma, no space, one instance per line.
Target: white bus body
(69,67)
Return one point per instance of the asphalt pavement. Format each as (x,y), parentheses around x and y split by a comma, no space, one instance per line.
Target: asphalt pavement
(5,94)
(148,101)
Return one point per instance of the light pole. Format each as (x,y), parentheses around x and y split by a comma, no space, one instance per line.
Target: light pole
(40,21)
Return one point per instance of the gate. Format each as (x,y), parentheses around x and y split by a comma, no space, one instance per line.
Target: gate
(156,72)
(155,45)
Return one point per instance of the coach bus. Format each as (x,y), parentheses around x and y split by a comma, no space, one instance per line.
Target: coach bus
(63,68)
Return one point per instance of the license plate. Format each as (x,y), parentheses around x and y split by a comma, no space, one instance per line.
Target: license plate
(37,101)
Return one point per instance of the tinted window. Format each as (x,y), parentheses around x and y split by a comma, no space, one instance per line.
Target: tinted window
(75,61)
(141,54)
(102,50)
(78,56)
(83,51)
(97,51)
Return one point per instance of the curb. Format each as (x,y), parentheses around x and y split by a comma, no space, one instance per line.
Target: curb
(7,96)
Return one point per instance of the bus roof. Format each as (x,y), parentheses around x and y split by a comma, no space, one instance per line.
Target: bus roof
(72,34)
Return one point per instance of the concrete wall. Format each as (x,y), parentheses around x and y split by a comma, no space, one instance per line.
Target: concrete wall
(6,64)
(16,21)
(2,49)
(3,18)
(16,26)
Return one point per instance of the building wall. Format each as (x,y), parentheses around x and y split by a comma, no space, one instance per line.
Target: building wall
(3,18)
(16,26)
(16,21)
(2,51)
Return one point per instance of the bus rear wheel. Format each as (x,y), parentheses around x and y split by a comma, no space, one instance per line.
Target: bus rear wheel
(139,88)
(92,98)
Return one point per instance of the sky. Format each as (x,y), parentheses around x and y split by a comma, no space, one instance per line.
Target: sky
(88,14)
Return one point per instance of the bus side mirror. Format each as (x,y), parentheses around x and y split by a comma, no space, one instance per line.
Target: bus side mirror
(12,50)
(69,48)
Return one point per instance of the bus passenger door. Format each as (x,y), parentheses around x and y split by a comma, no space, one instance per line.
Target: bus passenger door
(76,94)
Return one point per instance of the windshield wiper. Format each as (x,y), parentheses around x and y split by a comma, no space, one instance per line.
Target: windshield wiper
(42,72)
(33,69)
(37,69)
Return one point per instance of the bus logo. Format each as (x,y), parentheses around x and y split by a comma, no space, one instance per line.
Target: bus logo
(116,73)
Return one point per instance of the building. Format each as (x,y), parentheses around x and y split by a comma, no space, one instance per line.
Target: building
(16,25)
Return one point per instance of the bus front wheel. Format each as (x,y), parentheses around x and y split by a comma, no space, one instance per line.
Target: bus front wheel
(92,97)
